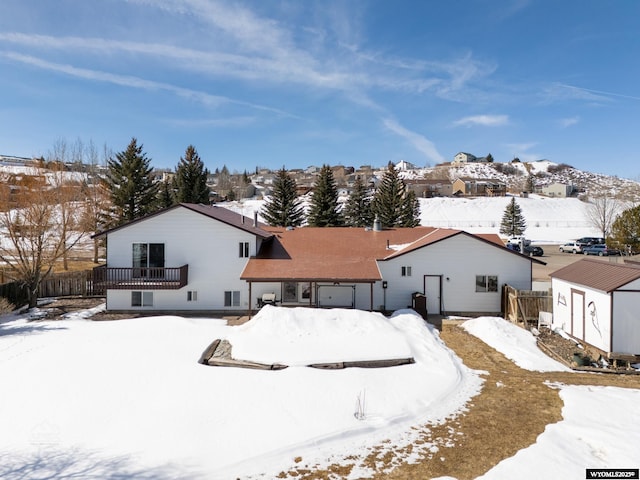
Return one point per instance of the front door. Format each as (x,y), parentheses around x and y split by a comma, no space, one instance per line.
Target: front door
(433,292)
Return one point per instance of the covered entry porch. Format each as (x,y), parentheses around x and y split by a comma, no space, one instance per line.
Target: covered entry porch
(317,293)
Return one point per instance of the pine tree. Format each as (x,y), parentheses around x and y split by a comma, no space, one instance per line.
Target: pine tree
(357,210)
(513,222)
(283,208)
(389,198)
(190,181)
(165,195)
(324,208)
(530,184)
(410,210)
(130,181)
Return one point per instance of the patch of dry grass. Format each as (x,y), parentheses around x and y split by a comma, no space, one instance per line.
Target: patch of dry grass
(514,407)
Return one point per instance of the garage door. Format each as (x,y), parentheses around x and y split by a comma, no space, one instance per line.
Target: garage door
(336,296)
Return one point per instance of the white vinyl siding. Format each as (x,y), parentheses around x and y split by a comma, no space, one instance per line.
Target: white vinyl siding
(457,260)
(191,239)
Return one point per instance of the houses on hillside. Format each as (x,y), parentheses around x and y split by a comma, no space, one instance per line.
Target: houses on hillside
(206,258)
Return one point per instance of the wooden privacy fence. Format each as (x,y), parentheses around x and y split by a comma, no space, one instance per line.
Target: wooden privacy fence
(525,305)
(66,284)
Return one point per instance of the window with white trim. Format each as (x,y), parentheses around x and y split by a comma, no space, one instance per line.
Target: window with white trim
(142,299)
(232,298)
(243,249)
(405,271)
(486,283)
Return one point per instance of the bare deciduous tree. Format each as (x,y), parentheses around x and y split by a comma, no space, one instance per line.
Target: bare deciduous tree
(36,234)
(601,213)
(96,212)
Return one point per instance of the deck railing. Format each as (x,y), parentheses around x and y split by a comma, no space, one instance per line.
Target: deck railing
(147,278)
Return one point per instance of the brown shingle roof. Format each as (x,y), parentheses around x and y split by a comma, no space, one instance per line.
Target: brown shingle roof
(338,254)
(598,274)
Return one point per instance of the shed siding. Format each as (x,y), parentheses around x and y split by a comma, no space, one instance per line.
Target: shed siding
(597,313)
(209,247)
(626,328)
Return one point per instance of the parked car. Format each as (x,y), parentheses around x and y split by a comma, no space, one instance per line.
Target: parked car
(516,239)
(571,247)
(600,250)
(584,241)
(533,251)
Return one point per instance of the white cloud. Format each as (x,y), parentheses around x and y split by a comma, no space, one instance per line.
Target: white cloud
(484,120)
(561,92)
(204,98)
(567,122)
(418,141)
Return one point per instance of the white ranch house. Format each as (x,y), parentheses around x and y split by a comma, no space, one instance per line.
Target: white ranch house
(596,301)
(206,258)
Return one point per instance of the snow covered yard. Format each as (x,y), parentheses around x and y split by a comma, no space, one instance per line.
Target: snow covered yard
(131,397)
(128,400)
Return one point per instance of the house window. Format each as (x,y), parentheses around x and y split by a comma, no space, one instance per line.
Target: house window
(192,296)
(148,260)
(405,271)
(142,299)
(243,249)
(232,298)
(486,283)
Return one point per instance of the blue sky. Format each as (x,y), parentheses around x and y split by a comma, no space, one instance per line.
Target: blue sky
(299,83)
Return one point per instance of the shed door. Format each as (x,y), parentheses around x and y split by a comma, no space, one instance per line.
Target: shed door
(577,314)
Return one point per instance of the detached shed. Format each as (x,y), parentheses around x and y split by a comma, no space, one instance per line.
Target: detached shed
(597,302)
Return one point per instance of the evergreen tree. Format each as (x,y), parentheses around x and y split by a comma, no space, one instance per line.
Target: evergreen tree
(283,208)
(530,185)
(357,210)
(389,198)
(165,195)
(130,182)
(410,210)
(625,230)
(190,181)
(324,208)
(513,222)
(489,158)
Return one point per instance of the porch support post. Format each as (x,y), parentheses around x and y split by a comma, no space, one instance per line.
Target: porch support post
(250,301)
(310,294)
(371,296)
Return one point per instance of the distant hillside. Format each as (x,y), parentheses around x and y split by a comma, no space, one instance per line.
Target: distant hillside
(544,172)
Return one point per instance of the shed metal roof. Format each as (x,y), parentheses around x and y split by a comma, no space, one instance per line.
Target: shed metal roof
(599,274)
